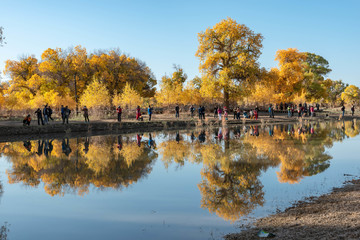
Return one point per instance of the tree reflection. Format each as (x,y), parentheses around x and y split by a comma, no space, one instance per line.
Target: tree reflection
(70,167)
(232,160)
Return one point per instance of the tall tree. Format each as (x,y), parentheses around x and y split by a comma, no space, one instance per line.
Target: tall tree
(315,69)
(229,51)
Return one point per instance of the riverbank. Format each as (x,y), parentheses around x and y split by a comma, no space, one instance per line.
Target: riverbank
(332,216)
(15,131)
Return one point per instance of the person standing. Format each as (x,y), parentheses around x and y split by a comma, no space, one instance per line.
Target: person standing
(86,114)
(215,111)
(352,110)
(203,112)
(343,110)
(199,111)
(45,113)
(39,116)
(150,111)
(255,114)
(177,111)
(67,112)
(219,110)
(270,111)
(63,113)
(50,111)
(192,110)
(138,113)
(289,111)
(312,111)
(119,111)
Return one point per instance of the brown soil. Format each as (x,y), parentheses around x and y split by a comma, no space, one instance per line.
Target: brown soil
(332,216)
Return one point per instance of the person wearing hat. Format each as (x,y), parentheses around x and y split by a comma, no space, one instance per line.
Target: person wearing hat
(119,111)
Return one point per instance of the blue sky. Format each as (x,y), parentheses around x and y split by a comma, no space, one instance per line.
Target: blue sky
(163,33)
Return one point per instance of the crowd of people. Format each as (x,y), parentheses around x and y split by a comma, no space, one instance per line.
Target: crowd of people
(45,115)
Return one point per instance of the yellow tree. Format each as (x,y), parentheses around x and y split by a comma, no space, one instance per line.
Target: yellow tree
(351,94)
(290,74)
(229,52)
(129,97)
(171,88)
(95,95)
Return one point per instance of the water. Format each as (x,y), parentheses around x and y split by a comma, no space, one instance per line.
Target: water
(193,184)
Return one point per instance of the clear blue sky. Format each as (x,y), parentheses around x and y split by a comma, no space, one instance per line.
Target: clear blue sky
(163,33)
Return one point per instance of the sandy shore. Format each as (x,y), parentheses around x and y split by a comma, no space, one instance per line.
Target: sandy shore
(332,216)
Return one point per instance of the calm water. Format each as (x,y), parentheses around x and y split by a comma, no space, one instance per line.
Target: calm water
(195,184)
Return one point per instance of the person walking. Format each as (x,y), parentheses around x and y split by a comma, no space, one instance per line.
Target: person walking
(86,114)
(177,110)
(150,111)
(39,116)
(352,110)
(119,111)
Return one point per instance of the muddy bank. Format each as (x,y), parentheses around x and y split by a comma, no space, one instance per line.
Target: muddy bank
(332,216)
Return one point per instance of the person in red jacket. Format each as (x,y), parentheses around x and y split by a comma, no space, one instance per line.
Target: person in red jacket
(119,111)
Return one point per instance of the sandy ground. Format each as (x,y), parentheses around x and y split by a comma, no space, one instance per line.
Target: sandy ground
(332,216)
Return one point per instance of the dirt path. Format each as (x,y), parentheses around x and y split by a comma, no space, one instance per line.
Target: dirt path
(332,216)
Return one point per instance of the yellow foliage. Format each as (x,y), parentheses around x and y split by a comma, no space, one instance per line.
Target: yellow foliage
(95,96)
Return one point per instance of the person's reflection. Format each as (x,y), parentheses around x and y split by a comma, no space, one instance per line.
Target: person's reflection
(177,137)
(86,145)
(271,130)
(219,134)
(151,142)
(192,137)
(202,136)
(66,146)
(256,131)
(119,142)
(40,148)
(343,125)
(46,148)
(27,145)
(138,139)
(312,131)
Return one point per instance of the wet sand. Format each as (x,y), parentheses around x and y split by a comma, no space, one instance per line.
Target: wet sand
(332,216)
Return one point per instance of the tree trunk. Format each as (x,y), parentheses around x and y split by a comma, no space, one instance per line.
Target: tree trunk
(226,98)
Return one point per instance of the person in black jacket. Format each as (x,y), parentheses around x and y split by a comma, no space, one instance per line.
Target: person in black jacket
(39,116)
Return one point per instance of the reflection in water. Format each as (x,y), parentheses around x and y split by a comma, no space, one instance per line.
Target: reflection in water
(4,230)
(232,160)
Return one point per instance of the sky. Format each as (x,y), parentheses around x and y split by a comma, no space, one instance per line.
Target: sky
(164,33)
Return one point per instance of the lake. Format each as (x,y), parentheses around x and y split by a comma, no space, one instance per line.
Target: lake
(188,184)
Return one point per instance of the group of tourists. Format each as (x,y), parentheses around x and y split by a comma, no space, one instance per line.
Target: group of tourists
(44,115)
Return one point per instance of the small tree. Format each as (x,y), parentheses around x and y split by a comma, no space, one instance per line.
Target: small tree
(351,94)
(129,97)
(95,95)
